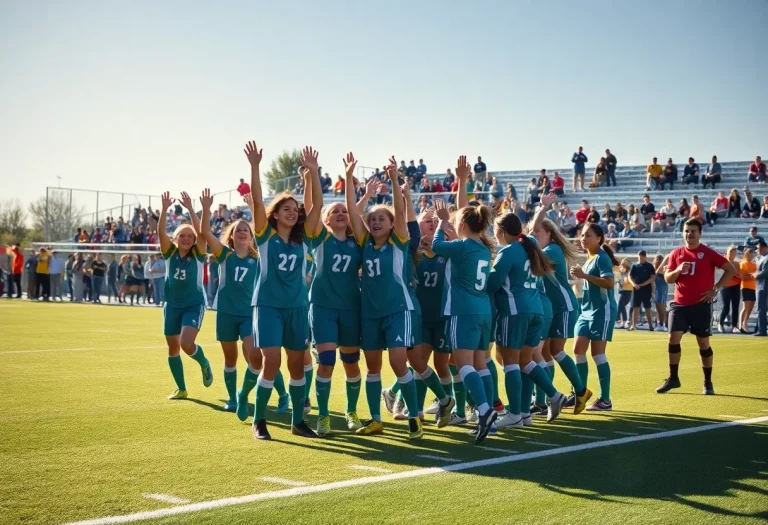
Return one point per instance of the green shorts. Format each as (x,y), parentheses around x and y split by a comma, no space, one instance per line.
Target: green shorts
(516,331)
(391,331)
(341,327)
(563,324)
(174,318)
(546,322)
(286,327)
(597,328)
(231,328)
(469,332)
(433,334)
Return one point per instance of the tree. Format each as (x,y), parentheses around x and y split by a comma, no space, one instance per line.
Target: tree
(13,222)
(283,172)
(62,217)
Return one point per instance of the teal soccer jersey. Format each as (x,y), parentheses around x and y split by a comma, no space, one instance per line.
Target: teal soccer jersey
(558,290)
(237,279)
(283,269)
(184,277)
(430,274)
(336,282)
(466,275)
(385,287)
(512,284)
(595,301)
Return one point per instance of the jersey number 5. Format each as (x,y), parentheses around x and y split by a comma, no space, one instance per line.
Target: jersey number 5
(480,285)
(338,259)
(180,275)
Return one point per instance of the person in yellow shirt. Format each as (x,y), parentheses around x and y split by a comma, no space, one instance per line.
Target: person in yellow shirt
(42,274)
(747,269)
(621,276)
(654,172)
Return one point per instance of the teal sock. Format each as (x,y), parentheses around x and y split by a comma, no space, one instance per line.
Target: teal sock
(373,395)
(526,390)
(491,365)
(199,356)
(430,379)
(583,367)
(353,393)
(323,393)
(421,392)
(230,381)
(541,395)
(297,390)
(551,369)
(541,378)
(513,383)
(280,383)
(487,379)
(408,388)
(177,371)
(571,372)
(263,393)
(249,381)
(395,388)
(308,371)
(474,385)
(604,375)
(459,391)
(447,384)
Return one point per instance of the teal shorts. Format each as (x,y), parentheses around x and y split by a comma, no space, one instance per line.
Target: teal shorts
(494,320)
(469,332)
(517,331)
(546,322)
(174,318)
(391,331)
(433,334)
(563,324)
(231,328)
(341,327)
(281,327)
(599,327)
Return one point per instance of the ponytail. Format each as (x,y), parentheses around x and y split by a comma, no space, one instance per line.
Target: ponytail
(478,219)
(607,249)
(540,263)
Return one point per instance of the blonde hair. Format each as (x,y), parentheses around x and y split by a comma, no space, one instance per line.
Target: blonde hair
(227,236)
(389,210)
(556,236)
(177,232)
(326,212)
(624,264)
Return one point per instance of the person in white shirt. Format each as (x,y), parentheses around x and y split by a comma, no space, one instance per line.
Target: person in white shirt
(56,270)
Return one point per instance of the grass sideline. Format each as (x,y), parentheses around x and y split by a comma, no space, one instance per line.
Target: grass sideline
(88,433)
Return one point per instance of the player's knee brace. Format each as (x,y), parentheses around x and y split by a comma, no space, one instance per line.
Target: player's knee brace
(674,349)
(706,353)
(349,358)
(327,358)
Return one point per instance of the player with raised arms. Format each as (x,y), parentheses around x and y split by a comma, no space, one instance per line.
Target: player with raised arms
(184,297)
(691,268)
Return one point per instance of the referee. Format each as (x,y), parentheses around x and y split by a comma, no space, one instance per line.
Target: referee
(642,275)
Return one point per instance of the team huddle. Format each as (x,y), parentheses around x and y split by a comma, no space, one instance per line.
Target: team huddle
(429,286)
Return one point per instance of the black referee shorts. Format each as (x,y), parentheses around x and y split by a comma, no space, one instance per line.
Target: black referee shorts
(641,297)
(693,318)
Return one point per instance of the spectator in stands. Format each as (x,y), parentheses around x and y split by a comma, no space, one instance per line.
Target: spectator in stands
(579,160)
(683,212)
(87,280)
(96,237)
(558,185)
(582,213)
(669,212)
(338,188)
(609,215)
(764,209)
(30,267)
(17,269)
(670,175)
(761,276)
(497,190)
(654,174)
(511,191)
(621,214)
(411,171)
(713,174)
(78,275)
(84,237)
(449,179)
(326,183)
(42,275)
(691,173)
(734,203)
(56,272)
(525,212)
(611,232)
(243,188)
(751,205)
(756,171)
(76,237)
(718,209)
(299,188)
(625,237)
(747,268)
(636,219)
(479,167)
(600,175)
(99,269)
(753,239)
(568,222)
(594,216)
(610,164)
(424,186)
(423,204)
(112,271)
(647,209)
(421,169)
(158,279)
(68,273)
(544,185)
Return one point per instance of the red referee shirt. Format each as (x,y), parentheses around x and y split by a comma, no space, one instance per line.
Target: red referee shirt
(701,277)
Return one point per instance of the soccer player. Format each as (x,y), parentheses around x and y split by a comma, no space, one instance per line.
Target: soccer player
(184,297)
(466,304)
(598,311)
(692,269)
(386,300)
(281,295)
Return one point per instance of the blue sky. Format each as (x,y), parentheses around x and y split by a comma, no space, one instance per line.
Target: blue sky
(145,96)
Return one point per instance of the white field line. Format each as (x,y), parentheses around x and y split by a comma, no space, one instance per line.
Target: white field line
(625,433)
(542,443)
(502,450)
(650,428)
(439,458)
(283,481)
(372,469)
(586,436)
(416,473)
(166,498)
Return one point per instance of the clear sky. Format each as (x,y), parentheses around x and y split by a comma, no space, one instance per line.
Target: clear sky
(150,95)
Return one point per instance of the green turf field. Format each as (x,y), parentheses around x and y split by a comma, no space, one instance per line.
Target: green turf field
(88,434)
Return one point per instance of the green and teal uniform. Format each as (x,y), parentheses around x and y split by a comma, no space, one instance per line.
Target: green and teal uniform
(565,306)
(280,295)
(465,303)
(183,289)
(518,301)
(430,282)
(598,305)
(237,280)
(334,296)
(546,307)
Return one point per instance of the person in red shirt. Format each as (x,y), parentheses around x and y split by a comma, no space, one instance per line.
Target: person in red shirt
(757,171)
(691,268)
(17,268)
(243,188)
(558,185)
(582,214)
(719,208)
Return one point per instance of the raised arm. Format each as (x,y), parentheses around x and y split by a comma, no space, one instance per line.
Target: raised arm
(410,210)
(371,187)
(312,184)
(439,245)
(205,224)
(541,212)
(463,172)
(254,155)
(355,215)
(186,200)
(162,223)
(401,228)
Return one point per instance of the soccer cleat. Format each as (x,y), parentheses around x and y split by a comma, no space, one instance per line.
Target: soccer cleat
(353,422)
(230,406)
(499,407)
(323,426)
(509,421)
(303,430)
(631,328)
(538,410)
(709,390)
(415,429)
(242,406)
(370,427)
(207,374)
(457,420)
(527,420)
(720,328)
(474,416)
(179,394)
(600,406)
(580,401)
(389,399)
(399,411)
(484,425)
(493,432)
(555,406)
(444,413)
(571,401)
(307,406)
(283,404)
(669,384)
(434,408)
(260,430)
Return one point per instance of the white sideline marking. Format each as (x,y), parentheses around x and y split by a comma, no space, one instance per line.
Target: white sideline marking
(373,469)
(502,450)
(543,444)
(439,458)
(586,436)
(286,482)
(313,489)
(650,428)
(730,416)
(166,498)
(625,433)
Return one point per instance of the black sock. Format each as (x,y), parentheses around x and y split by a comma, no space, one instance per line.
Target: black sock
(707,374)
(673,371)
